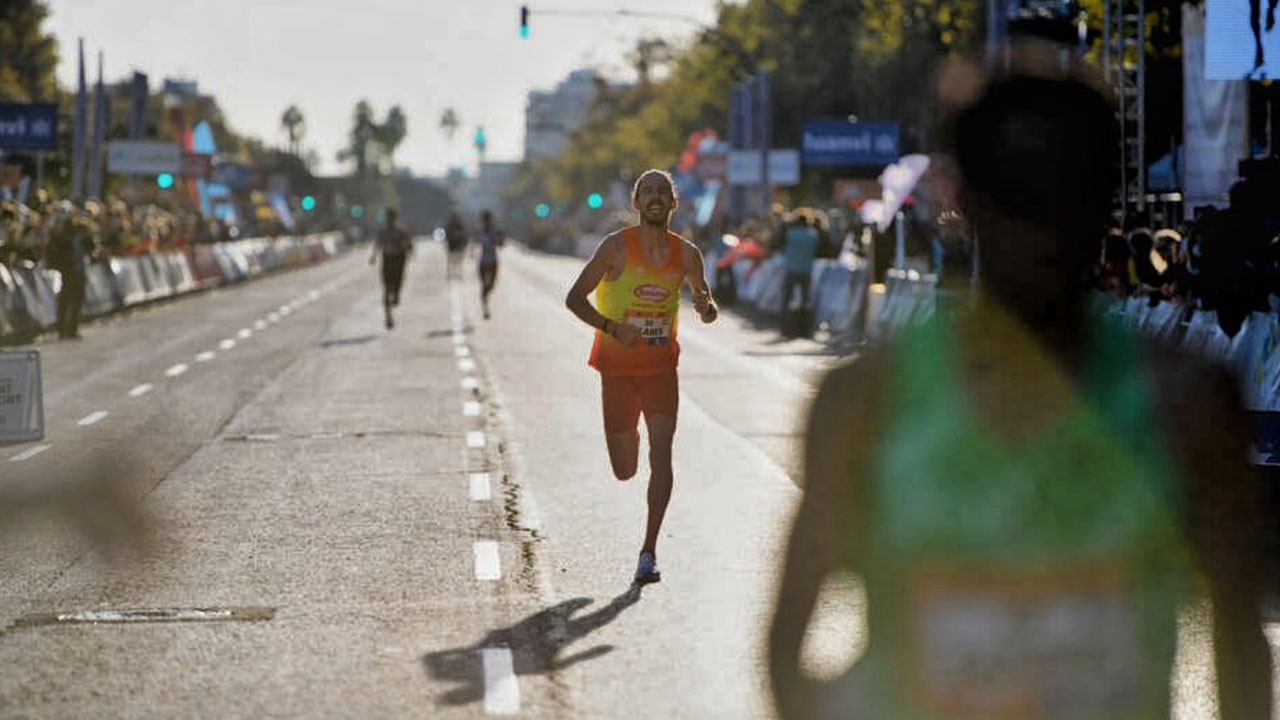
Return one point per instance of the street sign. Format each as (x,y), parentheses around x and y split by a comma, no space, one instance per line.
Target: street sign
(21,397)
(29,127)
(143,157)
(846,144)
(784,167)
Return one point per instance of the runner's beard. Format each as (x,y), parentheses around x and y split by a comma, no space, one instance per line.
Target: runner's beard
(659,223)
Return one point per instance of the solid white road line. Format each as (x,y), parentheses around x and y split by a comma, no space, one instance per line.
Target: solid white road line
(488,567)
(470,383)
(471,408)
(245,334)
(92,418)
(140,390)
(226,344)
(475,439)
(501,690)
(34,451)
(205,356)
(480,489)
(177,370)
(466,365)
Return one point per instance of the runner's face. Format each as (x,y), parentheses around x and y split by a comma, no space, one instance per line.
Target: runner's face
(655,200)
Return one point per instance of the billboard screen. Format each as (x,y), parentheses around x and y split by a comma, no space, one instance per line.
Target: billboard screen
(1242,40)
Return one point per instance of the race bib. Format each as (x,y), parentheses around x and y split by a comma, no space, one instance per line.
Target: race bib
(1005,647)
(655,327)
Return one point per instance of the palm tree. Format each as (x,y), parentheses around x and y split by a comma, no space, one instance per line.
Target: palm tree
(390,134)
(360,139)
(296,126)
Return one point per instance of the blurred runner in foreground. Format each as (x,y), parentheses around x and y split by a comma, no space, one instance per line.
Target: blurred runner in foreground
(395,244)
(637,274)
(1030,492)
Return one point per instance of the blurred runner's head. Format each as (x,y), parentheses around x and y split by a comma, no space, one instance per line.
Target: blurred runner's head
(1036,162)
(654,197)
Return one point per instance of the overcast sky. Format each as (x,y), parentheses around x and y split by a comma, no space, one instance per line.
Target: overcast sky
(258,56)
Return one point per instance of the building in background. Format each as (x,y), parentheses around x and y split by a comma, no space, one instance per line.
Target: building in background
(485,190)
(552,116)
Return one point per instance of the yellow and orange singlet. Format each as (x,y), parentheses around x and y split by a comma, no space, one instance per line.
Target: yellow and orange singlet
(648,298)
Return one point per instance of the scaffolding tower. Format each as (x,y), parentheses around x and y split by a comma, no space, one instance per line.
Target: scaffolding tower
(1124,62)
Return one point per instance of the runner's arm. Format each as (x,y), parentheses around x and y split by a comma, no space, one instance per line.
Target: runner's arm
(841,429)
(600,264)
(1210,437)
(696,276)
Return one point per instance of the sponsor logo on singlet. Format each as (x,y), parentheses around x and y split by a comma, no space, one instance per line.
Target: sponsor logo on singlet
(652,293)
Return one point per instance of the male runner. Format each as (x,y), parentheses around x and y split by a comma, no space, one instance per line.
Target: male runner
(637,274)
(488,238)
(395,244)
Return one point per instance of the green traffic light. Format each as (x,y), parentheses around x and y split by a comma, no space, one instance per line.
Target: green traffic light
(164,181)
(542,210)
(357,211)
(308,203)
(524,22)
(594,201)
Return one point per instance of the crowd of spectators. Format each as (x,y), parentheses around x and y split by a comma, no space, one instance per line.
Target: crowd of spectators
(28,230)
(1226,260)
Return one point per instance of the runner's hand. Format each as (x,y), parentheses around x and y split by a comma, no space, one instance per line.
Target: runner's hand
(628,335)
(709,313)
(706,308)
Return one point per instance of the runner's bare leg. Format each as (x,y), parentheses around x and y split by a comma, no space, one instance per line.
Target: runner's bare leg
(662,430)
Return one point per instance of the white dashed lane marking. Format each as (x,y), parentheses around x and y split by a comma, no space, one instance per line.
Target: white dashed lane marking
(245,334)
(205,356)
(488,567)
(177,370)
(462,351)
(475,439)
(471,408)
(480,489)
(273,317)
(260,325)
(226,344)
(501,689)
(140,390)
(466,365)
(470,383)
(92,418)
(34,451)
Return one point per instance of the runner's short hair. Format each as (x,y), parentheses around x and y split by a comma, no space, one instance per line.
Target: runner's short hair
(635,189)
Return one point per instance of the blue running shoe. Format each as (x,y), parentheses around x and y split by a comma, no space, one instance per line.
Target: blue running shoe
(647,569)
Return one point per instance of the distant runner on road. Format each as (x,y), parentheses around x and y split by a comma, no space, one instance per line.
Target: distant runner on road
(489,238)
(637,274)
(395,245)
(455,240)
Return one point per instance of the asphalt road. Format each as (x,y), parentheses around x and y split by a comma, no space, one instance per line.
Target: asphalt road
(288,511)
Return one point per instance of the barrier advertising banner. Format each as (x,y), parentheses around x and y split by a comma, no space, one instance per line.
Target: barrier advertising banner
(29,127)
(143,157)
(21,399)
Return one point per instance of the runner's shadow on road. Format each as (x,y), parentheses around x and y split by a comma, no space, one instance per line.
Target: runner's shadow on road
(446,333)
(537,644)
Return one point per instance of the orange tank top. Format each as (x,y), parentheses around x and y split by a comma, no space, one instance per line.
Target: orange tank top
(647,297)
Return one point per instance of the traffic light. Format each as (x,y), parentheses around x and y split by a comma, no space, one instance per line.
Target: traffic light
(542,210)
(594,201)
(164,181)
(481,141)
(308,203)
(357,211)
(524,22)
